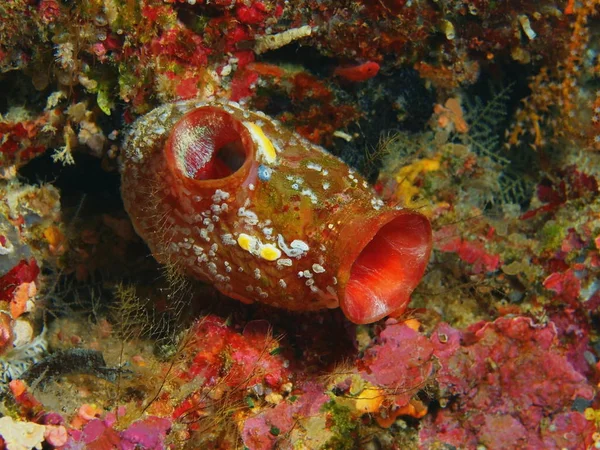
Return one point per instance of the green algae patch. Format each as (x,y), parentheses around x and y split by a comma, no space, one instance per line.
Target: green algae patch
(552,235)
(342,425)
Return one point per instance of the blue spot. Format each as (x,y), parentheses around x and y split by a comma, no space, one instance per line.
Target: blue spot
(264,173)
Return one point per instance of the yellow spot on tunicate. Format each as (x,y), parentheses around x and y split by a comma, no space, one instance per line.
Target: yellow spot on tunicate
(270,252)
(265,147)
(406,177)
(245,241)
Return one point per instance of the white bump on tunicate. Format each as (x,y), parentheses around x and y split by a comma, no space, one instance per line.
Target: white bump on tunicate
(212,268)
(228,239)
(300,245)
(310,194)
(249,217)
(284,262)
(204,234)
(219,196)
(282,283)
(296,249)
(317,268)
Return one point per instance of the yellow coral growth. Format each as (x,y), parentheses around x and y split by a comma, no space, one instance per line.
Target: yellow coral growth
(414,408)
(369,400)
(406,177)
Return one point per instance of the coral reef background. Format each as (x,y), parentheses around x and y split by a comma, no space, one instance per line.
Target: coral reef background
(482,115)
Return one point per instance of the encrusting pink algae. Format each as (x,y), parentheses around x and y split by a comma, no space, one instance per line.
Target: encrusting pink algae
(400,252)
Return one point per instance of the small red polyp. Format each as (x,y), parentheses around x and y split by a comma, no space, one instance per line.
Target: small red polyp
(233,198)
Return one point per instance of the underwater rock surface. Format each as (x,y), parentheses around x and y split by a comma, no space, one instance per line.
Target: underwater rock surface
(172,260)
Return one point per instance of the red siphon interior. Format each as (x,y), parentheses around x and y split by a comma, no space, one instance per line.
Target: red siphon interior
(224,161)
(209,144)
(387,269)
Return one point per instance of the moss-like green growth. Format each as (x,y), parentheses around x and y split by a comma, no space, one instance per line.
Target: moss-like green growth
(343,426)
(552,235)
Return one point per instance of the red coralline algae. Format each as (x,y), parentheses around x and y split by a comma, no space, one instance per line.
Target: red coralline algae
(261,432)
(49,10)
(503,380)
(21,141)
(243,84)
(565,284)
(569,184)
(248,355)
(24,272)
(231,197)
(401,361)
(6,332)
(472,253)
(100,434)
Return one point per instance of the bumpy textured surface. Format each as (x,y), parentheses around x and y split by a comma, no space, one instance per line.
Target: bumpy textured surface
(231,197)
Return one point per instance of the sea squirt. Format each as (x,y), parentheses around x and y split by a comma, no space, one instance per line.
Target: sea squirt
(231,197)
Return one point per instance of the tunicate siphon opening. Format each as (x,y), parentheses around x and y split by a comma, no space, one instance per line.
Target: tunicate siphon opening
(387,269)
(208,144)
